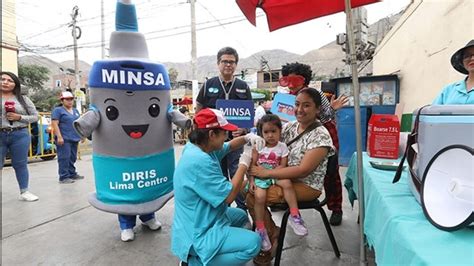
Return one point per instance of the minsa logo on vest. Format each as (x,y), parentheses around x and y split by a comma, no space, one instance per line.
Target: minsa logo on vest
(127,77)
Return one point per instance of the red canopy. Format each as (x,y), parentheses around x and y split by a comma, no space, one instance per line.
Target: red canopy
(282,13)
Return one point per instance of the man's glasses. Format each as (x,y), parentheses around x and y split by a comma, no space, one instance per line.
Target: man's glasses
(228,62)
(68,99)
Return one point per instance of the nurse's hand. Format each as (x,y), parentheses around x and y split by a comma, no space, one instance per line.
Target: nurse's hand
(239,132)
(256,141)
(246,156)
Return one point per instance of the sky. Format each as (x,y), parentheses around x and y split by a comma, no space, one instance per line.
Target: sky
(42,26)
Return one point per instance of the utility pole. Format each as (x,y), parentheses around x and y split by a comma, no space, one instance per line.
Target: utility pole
(193,52)
(76,34)
(102,27)
(358,130)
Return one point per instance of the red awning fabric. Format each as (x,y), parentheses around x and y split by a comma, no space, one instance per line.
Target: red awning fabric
(282,13)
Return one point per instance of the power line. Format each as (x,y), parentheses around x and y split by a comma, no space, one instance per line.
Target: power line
(223,26)
(94,44)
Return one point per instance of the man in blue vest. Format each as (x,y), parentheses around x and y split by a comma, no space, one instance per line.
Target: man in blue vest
(226,86)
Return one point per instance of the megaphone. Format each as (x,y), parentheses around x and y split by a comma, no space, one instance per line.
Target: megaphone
(447,189)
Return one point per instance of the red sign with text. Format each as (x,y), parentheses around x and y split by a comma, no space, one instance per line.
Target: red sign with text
(383,136)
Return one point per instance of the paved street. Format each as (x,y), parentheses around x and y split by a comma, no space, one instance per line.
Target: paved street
(62,228)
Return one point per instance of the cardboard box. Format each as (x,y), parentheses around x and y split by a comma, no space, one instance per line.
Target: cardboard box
(383,136)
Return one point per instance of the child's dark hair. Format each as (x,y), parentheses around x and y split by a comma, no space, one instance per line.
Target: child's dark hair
(200,136)
(269,118)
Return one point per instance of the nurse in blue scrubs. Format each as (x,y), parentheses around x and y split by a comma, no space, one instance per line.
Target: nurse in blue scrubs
(206,231)
(67,139)
(460,92)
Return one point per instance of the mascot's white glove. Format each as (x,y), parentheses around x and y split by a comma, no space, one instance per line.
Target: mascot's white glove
(246,156)
(256,141)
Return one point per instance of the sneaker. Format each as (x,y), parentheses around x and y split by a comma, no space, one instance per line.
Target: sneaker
(297,223)
(153,224)
(66,181)
(182,263)
(336,218)
(28,196)
(127,235)
(266,244)
(77,177)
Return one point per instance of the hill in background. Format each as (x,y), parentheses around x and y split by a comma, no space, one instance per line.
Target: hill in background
(324,61)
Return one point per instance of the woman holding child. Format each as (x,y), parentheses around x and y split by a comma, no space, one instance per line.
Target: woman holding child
(307,159)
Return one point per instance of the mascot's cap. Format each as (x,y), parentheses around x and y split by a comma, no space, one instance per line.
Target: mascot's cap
(128,67)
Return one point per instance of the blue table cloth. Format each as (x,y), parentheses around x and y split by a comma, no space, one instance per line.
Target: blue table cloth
(397,229)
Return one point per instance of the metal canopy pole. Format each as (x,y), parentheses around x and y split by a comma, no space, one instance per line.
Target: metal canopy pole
(355,86)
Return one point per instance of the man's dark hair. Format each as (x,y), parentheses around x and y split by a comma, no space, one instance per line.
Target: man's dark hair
(229,51)
(298,69)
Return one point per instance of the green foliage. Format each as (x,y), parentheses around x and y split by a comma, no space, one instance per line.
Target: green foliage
(45,99)
(32,77)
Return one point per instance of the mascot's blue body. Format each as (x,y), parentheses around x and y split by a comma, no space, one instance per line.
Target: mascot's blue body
(130,123)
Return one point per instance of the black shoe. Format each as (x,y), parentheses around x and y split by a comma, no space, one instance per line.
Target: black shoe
(66,181)
(77,177)
(336,218)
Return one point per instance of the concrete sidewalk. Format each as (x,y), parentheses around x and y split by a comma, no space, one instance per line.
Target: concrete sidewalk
(62,228)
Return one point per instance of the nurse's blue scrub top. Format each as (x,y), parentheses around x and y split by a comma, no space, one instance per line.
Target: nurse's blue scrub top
(200,191)
(65,121)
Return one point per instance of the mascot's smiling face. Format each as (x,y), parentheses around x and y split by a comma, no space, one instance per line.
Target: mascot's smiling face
(134,131)
(132,123)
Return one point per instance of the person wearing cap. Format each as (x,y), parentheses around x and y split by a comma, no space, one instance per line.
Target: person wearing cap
(206,231)
(66,138)
(460,92)
(226,86)
(17,112)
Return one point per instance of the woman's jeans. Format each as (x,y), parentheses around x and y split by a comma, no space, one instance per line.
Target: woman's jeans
(18,143)
(129,221)
(67,154)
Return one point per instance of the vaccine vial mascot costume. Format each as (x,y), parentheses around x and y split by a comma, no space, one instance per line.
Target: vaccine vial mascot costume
(130,120)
